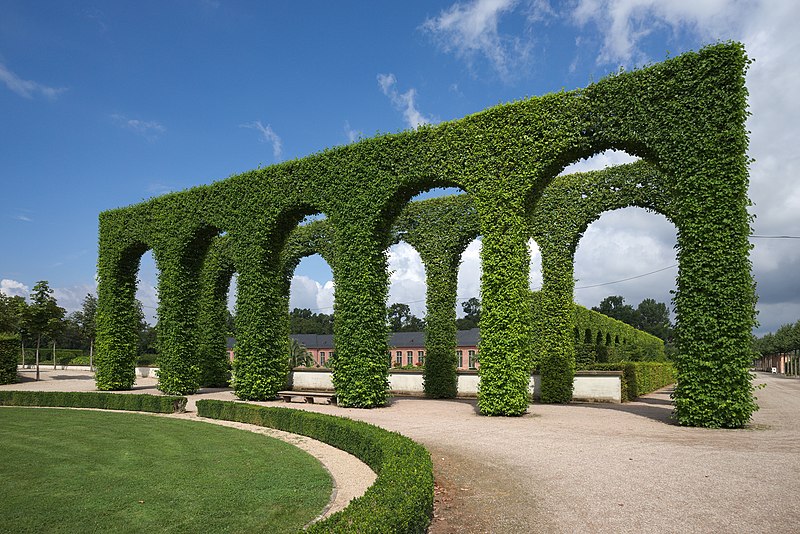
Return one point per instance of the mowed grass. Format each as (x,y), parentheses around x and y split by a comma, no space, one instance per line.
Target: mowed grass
(90,471)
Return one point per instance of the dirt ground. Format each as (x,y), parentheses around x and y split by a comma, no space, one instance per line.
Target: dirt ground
(593,467)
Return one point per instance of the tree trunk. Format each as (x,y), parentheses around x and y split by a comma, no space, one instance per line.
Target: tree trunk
(91,354)
(54,355)
(38,344)
(23,352)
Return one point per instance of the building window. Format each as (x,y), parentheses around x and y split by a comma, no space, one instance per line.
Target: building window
(399,358)
(472,359)
(322,361)
(410,357)
(421,357)
(460,354)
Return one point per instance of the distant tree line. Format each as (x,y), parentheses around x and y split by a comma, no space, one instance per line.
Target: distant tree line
(785,339)
(649,316)
(41,323)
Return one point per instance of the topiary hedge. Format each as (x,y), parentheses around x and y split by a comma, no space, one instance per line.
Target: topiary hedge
(84,399)
(400,500)
(685,117)
(9,351)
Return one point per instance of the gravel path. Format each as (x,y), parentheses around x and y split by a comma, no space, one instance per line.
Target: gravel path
(600,467)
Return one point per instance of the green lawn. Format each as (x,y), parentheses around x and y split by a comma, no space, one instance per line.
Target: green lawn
(89,471)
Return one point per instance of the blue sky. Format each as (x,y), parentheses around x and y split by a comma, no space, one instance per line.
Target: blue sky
(104,104)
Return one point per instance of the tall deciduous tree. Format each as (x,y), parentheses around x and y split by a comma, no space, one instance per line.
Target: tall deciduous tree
(653,318)
(44,315)
(472,314)
(400,319)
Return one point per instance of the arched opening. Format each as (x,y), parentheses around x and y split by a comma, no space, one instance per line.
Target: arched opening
(625,267)
(599,161)
(311,299)
(430,234)
(147,308)
(536,265)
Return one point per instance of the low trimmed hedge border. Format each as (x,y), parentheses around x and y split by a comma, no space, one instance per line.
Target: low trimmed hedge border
(400,500)
(88,399)
(639,378)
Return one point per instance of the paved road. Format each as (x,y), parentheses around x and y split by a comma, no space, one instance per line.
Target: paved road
(603,467)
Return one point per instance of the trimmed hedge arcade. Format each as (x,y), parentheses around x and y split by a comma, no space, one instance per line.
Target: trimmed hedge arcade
(685,118)
(639,378)
(400,500)
(87,399)
(9,350)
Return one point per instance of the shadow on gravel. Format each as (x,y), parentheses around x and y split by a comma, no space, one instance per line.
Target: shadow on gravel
(657,406)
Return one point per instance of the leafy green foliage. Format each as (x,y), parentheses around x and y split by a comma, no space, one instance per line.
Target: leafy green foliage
(12,313)
(303,321)
(472,314)
(401,319)
(650,316)
(105,401)
(298,355)
(400,500)
(685,118)
(9,348)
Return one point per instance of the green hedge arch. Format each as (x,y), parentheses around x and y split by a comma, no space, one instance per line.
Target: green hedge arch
(684,116)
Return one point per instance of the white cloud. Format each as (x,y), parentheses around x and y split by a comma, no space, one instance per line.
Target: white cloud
(407,284)
(71,298)
(310,294)
(625,23)
(268,135)
(28,88)
(470,30)
(12,288)
(623,244)
(600,161)
(405,102)
(352,134)
(150,130)
(469,274)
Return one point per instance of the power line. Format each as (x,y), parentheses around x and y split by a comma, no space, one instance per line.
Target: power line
(776,236)
(630,278)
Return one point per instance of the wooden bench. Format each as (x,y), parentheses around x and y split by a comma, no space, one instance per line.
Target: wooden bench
(308,396)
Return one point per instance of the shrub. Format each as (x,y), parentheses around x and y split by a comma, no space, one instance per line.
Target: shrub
(400,500)
(86,399)
(9,348)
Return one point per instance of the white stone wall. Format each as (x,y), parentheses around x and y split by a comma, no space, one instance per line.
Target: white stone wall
(596,386)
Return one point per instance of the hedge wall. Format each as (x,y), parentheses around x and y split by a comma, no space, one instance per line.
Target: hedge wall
(400,500)
(685,117)
(9,349)
(84,399)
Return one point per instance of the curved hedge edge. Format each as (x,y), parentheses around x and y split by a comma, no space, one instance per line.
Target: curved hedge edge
(400,500)
(639,378)
(88,399)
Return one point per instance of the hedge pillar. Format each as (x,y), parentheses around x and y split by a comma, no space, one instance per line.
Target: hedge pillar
(554,338)
(505,347)
(361,366)
(440,379)
(262,326)
(178,300)
(117,343)
(212,354)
